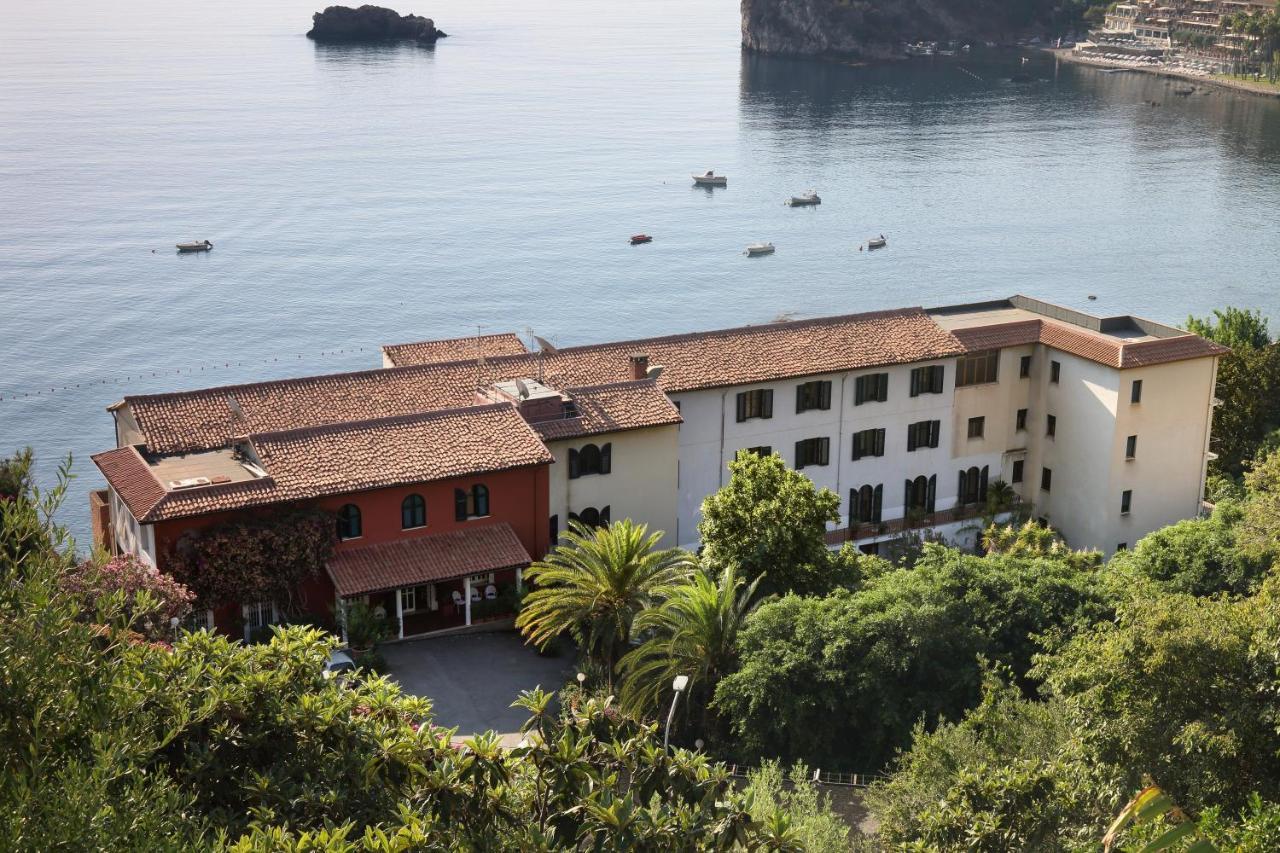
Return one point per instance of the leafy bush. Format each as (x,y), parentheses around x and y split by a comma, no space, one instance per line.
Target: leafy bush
(148,599)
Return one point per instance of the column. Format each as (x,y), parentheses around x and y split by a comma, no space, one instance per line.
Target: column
(400,611)
(466,596)
(519,579)
(342,618)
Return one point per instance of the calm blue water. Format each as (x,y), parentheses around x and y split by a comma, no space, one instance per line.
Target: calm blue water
(364,196)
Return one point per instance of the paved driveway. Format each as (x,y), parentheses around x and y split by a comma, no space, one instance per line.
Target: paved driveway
(472,679)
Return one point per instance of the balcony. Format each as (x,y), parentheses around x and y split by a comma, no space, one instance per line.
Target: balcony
(895,526)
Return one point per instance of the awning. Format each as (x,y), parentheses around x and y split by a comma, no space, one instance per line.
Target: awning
(426,559)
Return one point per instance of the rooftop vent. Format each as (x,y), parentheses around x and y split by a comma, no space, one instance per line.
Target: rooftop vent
(189,483)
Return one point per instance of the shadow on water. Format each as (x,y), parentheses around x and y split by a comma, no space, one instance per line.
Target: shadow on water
(366,54)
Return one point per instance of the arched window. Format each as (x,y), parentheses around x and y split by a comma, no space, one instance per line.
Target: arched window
(471,504)
(590,459)
(592,517)
(349,522)
(920,493)
(413,512)
(865,503)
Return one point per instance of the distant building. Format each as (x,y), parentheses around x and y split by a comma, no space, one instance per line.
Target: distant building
(1100,424)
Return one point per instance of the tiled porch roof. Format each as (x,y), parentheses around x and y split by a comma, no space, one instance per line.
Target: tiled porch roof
(426,559)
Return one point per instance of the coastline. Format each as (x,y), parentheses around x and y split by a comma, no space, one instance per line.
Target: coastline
(1068,55)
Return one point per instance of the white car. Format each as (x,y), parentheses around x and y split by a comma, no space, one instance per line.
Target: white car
(338,662)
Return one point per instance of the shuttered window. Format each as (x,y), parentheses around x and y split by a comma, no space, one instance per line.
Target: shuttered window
(872,388)
(813,395)
(977,368)
(923,434)
(812,452)
(868,442)
(865,504)
(927,380)
(755,404)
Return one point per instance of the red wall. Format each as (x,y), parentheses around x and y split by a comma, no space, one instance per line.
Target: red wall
(520,497)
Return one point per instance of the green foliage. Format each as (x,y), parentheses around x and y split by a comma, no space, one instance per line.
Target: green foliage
(1259,529)
(594,584)
(364,626)
(138,593)
(1237,328)
(693,632)
(769,520)
(1200,556)
(15,474)
(259,559)
(1031,539)
(807,811)
(842,680)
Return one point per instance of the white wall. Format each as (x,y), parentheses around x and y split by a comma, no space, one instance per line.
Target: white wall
(641,483)
(130,536)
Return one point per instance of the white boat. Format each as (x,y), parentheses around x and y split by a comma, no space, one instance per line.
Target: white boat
(922,48)
(195,246)
(805,199)
(877,242)
(710,179)
(760,249)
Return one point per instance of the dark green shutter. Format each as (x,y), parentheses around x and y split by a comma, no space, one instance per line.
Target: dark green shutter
(606,458)
(766,408)
(574,469)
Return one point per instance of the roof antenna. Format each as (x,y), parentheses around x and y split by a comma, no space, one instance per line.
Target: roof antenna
(238,418)
(544,348)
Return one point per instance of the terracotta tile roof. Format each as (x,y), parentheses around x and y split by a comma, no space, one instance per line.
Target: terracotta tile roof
(1094,346)
(129,474)
(197,420)
(614,407)
(353,457)
(424,559)
(455,349)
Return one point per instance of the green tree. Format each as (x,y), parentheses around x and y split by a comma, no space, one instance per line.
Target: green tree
(772,521)
(1259,528)
(595,583)
(15,474)
(808,811)
(693,632)
(1238,328)
(841,680)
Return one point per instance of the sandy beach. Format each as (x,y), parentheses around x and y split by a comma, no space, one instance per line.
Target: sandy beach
(1263,89)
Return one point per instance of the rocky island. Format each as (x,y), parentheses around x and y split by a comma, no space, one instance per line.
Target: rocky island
(342,24)
(877,29)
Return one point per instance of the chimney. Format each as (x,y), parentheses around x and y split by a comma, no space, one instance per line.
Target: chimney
(639,365)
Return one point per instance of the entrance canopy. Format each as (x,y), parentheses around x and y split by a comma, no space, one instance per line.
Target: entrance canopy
(426,559)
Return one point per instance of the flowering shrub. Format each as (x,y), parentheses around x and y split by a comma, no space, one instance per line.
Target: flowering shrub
(262,559)
(128,576)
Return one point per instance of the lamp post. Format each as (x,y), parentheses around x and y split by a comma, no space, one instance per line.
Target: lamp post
(678,685)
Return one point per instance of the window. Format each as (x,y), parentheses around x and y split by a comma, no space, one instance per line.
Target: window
(870,548)
(1051,426)
(473,503)
(1055,371)
(590,459)
(1017,471)
(927,380)
(258,615)
(1022,419)
(973,486)
(1122,546)
(349,522)
(977,426)
(1046,479)
(755,404)
(554,530)
(1024,367)
(812,451)
(920,494)
(591,516)
(1135,391)
(865,504)
(409,599)
(813,395)
(413,512)
(759,450)
(200,620)
(1131,447)
(872,388)
(923,434)
(868,442)
(1126,501)
(977,368)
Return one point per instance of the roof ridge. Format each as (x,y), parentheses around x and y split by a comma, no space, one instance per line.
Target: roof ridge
(618,383)
(389,420)
(457,340)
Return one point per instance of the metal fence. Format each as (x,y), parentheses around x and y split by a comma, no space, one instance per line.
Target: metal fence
(819,776)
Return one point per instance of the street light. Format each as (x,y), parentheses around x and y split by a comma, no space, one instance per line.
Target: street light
(582,677)
(680,683)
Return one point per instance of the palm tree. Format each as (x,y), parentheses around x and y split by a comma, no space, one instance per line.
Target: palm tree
(595,583)
(694,633)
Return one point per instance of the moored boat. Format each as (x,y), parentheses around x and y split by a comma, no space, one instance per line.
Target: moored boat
(877,242)
(805,199)
(637,239)
(710,179)
(195,246)
(759,249)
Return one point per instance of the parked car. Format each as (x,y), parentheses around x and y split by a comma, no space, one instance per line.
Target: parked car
(339,662)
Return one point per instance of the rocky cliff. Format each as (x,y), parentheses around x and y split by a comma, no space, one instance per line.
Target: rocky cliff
(371,23)
(877,29)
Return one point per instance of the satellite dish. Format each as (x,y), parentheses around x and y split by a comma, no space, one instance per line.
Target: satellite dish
(545,345)
(654,372)
(522,389)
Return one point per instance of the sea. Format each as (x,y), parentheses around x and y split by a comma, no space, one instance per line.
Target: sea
(358,196)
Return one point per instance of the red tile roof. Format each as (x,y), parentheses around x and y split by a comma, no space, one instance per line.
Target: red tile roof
(455,349)
(203,419)
(616,407)
(424,559)
(345,458)
(131,477)
(1094,346)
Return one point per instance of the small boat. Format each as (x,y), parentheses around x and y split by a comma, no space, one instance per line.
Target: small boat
(637,239)
(759,249)
(710,179)
(805,200)
(195,246)
(877,242)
